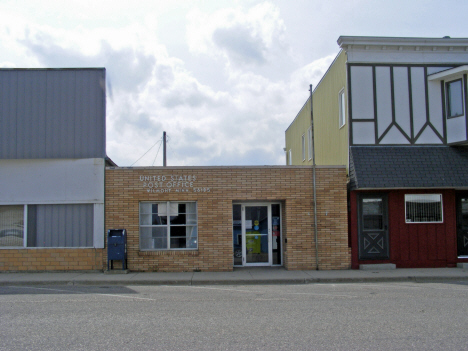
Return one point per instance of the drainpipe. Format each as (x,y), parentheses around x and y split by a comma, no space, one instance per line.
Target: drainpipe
(313,177)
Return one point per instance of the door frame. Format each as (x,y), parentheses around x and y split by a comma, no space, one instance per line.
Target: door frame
(268,204)
(458,197)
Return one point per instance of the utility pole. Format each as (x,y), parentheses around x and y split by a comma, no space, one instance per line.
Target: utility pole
(164,149)
(313,176)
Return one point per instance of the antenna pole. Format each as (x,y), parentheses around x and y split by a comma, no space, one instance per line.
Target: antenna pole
(164,149)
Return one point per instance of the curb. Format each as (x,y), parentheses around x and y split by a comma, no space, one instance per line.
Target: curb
(199,282)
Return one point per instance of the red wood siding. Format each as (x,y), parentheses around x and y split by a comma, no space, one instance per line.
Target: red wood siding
(414,245)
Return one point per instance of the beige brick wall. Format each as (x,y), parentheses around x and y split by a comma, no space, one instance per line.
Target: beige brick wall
(292,186)
(12,260)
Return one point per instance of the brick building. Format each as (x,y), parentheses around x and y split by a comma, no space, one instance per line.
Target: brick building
(217,218)
(58,199)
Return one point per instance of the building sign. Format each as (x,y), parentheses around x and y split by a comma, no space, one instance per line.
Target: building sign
(171,184)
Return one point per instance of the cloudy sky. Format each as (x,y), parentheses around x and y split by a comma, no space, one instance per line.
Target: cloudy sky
(224,79)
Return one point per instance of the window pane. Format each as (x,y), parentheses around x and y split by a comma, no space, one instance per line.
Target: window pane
(145,208)
(11,225)
(178,243)
(158,220)
(455,98)
(145,219)
(153,238)
(178,237)
(464,213)
(342,108)
(303,147)
(153,214)
(192,236)
(191,207)
(372,206)
(372,222)
(157,233)
(423,208)
(191,219)
(159,243)
(372,214)
(180,219)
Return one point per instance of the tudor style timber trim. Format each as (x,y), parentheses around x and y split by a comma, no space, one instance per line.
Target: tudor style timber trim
(430,118)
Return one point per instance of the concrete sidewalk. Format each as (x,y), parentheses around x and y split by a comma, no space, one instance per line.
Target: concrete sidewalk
(240,276)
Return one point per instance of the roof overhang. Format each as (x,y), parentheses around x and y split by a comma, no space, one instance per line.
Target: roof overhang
(450,51)
(408,167)
(401,41)
(449,73)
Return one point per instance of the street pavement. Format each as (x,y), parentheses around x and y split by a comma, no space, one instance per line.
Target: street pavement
(239,276)
(331,316)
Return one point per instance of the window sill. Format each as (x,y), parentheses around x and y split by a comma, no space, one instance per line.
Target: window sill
(456,116)
(48,248)
(188,252)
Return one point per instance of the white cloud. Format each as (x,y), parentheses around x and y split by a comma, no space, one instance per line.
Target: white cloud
(150,91)
(309,74)
(251,36)
(224,93)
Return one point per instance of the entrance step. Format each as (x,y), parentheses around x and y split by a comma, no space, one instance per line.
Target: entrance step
(379,267)
(463,265)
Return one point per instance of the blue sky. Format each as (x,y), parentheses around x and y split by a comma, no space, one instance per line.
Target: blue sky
(224,79)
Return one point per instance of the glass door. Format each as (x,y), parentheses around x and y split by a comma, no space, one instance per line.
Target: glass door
(256,230)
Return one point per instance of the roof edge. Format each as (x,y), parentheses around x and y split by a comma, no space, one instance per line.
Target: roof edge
(400,41)
(170,168)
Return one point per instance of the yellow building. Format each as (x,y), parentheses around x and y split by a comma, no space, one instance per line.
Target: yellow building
(393,111)
(330,122)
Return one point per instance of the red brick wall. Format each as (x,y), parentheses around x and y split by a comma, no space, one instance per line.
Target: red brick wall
(292,186)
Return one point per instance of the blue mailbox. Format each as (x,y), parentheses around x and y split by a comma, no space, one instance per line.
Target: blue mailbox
(117,247)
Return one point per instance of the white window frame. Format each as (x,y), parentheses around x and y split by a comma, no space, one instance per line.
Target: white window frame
(168,225)
(424,198)
(341,108)
(447,97)
(303,147)
(309,138)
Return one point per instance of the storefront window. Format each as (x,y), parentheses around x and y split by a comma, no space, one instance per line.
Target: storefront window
(54,225)
(168,225)
(11,226)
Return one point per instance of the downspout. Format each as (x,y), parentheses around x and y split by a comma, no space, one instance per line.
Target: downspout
(313,177)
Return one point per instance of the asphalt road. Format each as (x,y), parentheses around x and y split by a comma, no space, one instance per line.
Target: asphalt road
(380,316)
